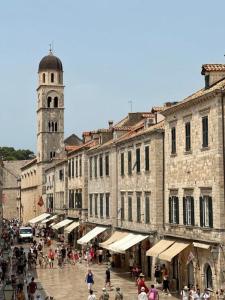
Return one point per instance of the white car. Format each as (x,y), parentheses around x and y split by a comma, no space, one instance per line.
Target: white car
(25,234)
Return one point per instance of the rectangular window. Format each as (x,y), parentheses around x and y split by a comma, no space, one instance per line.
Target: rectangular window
(129,154)
(188,136)
(205,138)
(173,140)
(96,166)
(101,205)
(69,168)
(96,205)
(90,167)
(138,208)
(146,158)
(90,204)
(78,199)
(107,205)
(138,160)
(122,164)
(122,207)
(130,208)
(76,166)
(72,167)
(107,165)
(80,165)
(61,175)
(71,199)
(206,212)
(174,210)
(100,166)
(147,209)
(188,210)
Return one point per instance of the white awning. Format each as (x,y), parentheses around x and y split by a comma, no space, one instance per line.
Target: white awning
(128,241)
(62,223)
(172,251)
(39,218)
(117,235)
(201,245)
(71,227)
(159,247)
(91,234)
(49,219)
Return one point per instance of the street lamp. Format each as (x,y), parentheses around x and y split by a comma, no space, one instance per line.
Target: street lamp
(8,291)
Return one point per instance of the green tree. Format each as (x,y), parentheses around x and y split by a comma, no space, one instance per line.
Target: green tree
(9,153)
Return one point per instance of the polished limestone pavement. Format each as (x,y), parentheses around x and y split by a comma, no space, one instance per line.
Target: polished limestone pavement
(69,283)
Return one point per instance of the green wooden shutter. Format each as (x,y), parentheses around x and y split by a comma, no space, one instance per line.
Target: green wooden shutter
(184,210)
(201,210)
(177,209)
(210,213)
(192,211)
(170,209)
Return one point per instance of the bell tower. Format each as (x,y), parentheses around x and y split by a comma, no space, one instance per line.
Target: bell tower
(50,109)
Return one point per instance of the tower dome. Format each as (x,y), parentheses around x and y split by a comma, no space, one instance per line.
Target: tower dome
(50,62)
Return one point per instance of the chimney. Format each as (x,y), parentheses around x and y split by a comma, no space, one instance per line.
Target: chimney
(110,122)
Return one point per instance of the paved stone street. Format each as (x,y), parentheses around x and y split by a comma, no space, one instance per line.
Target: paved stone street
(69,283)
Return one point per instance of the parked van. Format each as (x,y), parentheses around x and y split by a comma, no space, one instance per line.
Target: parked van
(25,234)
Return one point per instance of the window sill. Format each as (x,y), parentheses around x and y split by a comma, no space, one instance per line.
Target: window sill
(138,173)
(205,148)
(147,171)
(173,154)
(206,228)
(174,224)
(187,152)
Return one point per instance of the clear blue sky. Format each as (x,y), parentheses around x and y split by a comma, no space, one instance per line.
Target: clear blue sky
(112,51)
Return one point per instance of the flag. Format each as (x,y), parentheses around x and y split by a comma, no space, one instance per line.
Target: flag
(190,257)
(40,201)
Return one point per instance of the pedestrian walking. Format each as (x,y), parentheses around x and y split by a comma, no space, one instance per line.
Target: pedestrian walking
(100,255)
(157,275)
(165,276)
(104,295)
(142,295)
(20,293)
(91,296)
(205,295)
(119,294)
(89,279)
(185,293)
(141,283)
(153,293)
(107,278)
(32,287)
(51,257)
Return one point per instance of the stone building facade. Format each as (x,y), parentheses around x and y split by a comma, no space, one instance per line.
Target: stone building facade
(194,183)
(11,174)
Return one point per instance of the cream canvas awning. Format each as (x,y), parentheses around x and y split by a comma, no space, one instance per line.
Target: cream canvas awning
(201,245)
(91,234)
(125,243)
(62,224)
(172,251)
(117,235)
(39,218)
(71,227)
(159,247)
(49,219)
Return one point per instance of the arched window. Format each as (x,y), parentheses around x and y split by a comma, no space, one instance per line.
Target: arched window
(52,127)
(56,102)
(52,77)
(49,101)
(56,126)
(43,77)
(208,276)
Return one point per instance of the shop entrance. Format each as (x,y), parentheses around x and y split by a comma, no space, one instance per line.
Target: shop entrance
(175,280)
(190,274)
(208,276)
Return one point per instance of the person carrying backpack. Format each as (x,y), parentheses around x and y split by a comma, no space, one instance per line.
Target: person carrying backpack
(153,293)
